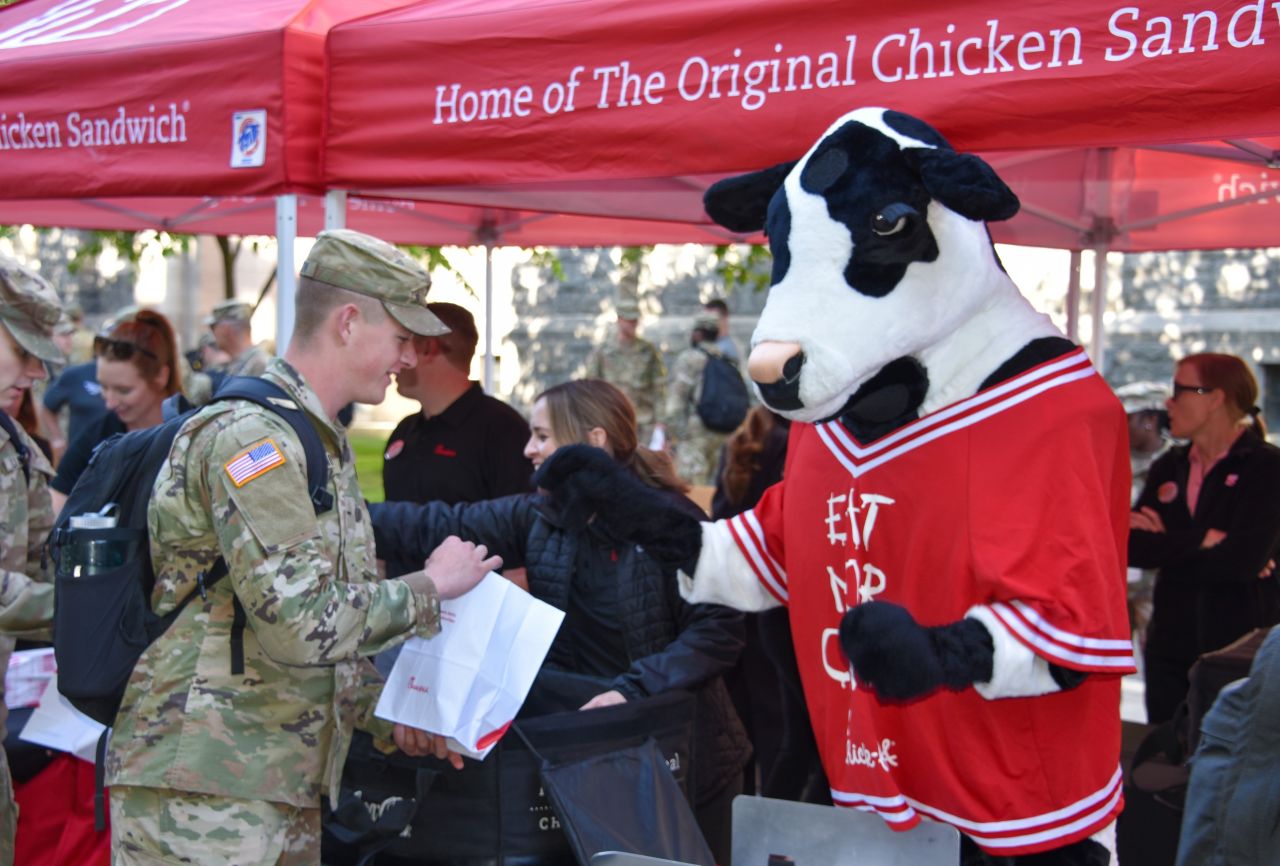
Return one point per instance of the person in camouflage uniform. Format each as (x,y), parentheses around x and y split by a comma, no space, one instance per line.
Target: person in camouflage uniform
(229,323)
(213,767)
(696,449)
(28,311)
(634,365)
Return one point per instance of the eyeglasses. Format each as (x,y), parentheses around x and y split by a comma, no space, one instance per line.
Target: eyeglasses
(119,350)
(1179,389)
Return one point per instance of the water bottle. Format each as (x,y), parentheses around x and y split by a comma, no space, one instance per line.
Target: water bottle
(91,552)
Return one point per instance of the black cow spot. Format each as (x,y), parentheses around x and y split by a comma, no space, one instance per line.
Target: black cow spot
(778,230)
(914,127)
(886,401)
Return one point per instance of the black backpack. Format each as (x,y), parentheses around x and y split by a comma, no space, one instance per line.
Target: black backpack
(103,622)
(724,401)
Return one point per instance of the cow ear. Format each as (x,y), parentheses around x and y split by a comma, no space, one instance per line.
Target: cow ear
(964,183)
(740,203)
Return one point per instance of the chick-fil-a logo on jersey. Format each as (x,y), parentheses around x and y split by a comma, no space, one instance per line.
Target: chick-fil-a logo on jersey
(77,20)
(248,138)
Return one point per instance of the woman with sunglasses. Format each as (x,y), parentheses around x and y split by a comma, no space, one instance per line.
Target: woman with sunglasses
(1209,519)
(138,369)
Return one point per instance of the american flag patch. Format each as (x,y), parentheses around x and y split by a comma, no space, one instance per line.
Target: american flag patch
(249,464)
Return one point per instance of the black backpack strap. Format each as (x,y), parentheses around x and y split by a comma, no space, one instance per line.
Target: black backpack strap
(271,396)
(24,453)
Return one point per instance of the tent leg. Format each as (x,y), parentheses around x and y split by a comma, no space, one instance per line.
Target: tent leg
(286,274)
(489,384)
(1099,307)
(1073,298)
(335,209)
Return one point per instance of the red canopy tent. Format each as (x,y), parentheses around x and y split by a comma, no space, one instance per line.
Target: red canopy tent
(1120,127)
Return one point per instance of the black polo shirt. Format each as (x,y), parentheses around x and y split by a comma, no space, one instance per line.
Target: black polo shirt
(472,451)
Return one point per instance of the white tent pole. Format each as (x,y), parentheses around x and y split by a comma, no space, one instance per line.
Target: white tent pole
(489,384)
(1099,305)
(286,274)
(335,209)
(1073,298)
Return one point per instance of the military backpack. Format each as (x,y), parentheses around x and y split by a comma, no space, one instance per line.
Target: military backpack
(724,401)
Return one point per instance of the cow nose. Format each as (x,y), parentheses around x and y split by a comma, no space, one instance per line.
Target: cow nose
(775,368)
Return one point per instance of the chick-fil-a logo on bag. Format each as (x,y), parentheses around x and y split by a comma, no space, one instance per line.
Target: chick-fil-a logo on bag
(84,19)
(248,138)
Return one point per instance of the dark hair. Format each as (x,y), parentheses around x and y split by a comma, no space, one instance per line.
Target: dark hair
(575,408)
(146,340)
(459,345)
(742,452)
(718,305)
(1232,376)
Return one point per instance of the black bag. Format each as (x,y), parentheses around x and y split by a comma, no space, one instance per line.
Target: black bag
(1232,805)
(724,401)
(103,622)
(494,812)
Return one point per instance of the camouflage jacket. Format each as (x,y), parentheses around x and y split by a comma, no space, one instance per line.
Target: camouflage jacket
(235,485)
(636,369)
(252,362)
(26,584)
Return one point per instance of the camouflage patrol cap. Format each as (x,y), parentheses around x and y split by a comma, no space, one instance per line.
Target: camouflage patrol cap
(364,264)
(628,308)
(230,311)
(29,309)
(1143,396)
(707,322)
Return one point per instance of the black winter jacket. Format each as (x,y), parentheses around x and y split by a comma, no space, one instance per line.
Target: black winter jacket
(1205,598)
(671,644)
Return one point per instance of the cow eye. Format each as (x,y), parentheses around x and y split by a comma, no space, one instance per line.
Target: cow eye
(892,219)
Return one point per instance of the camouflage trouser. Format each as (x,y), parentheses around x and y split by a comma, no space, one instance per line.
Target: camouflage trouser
(151,826)
(8,813)
(698,456)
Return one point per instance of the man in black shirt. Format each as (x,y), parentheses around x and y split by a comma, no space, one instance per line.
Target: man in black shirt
(464,446)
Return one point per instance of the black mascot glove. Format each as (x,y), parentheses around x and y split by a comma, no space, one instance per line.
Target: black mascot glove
(889,651)
(583,481)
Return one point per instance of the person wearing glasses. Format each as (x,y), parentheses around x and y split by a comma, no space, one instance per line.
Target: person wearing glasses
(137,368)
(1209,519)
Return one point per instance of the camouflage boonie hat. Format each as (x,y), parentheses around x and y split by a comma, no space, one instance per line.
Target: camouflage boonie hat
(30,309)
(230,311)
(1143,396)
(628,308)
(361,263)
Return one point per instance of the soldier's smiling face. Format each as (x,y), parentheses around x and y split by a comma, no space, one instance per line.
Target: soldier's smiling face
(379,349)
(18,367)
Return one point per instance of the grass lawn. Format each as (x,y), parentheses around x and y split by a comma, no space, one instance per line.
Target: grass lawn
(368,445)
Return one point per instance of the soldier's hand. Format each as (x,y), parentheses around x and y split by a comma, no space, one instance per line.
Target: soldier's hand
(456,566)
(419,743)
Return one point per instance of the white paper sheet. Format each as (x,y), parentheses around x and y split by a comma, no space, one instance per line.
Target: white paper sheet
(468,682)
(56,724)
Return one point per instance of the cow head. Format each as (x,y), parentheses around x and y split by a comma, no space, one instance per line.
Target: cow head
(880,252)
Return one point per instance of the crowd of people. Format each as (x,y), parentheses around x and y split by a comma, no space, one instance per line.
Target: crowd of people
(221,760)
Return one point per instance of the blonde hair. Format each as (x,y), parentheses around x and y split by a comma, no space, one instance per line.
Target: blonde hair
(576,408)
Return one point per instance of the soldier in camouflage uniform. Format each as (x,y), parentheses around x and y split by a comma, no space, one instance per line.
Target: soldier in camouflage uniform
(229,322)
(634,365)
(28,311)
(208,766)
(696,449)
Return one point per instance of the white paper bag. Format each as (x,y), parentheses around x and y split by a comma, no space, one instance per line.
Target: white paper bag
(55,724)
(468,682)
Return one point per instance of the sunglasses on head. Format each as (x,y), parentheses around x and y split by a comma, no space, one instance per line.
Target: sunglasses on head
(119,350)
(1179,389)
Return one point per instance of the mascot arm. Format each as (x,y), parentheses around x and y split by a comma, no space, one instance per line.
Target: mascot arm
(724,575)
(901,659)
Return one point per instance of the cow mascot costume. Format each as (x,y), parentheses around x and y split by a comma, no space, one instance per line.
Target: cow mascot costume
(949,536)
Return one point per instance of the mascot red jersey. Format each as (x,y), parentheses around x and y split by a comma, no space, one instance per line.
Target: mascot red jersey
(949,537)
